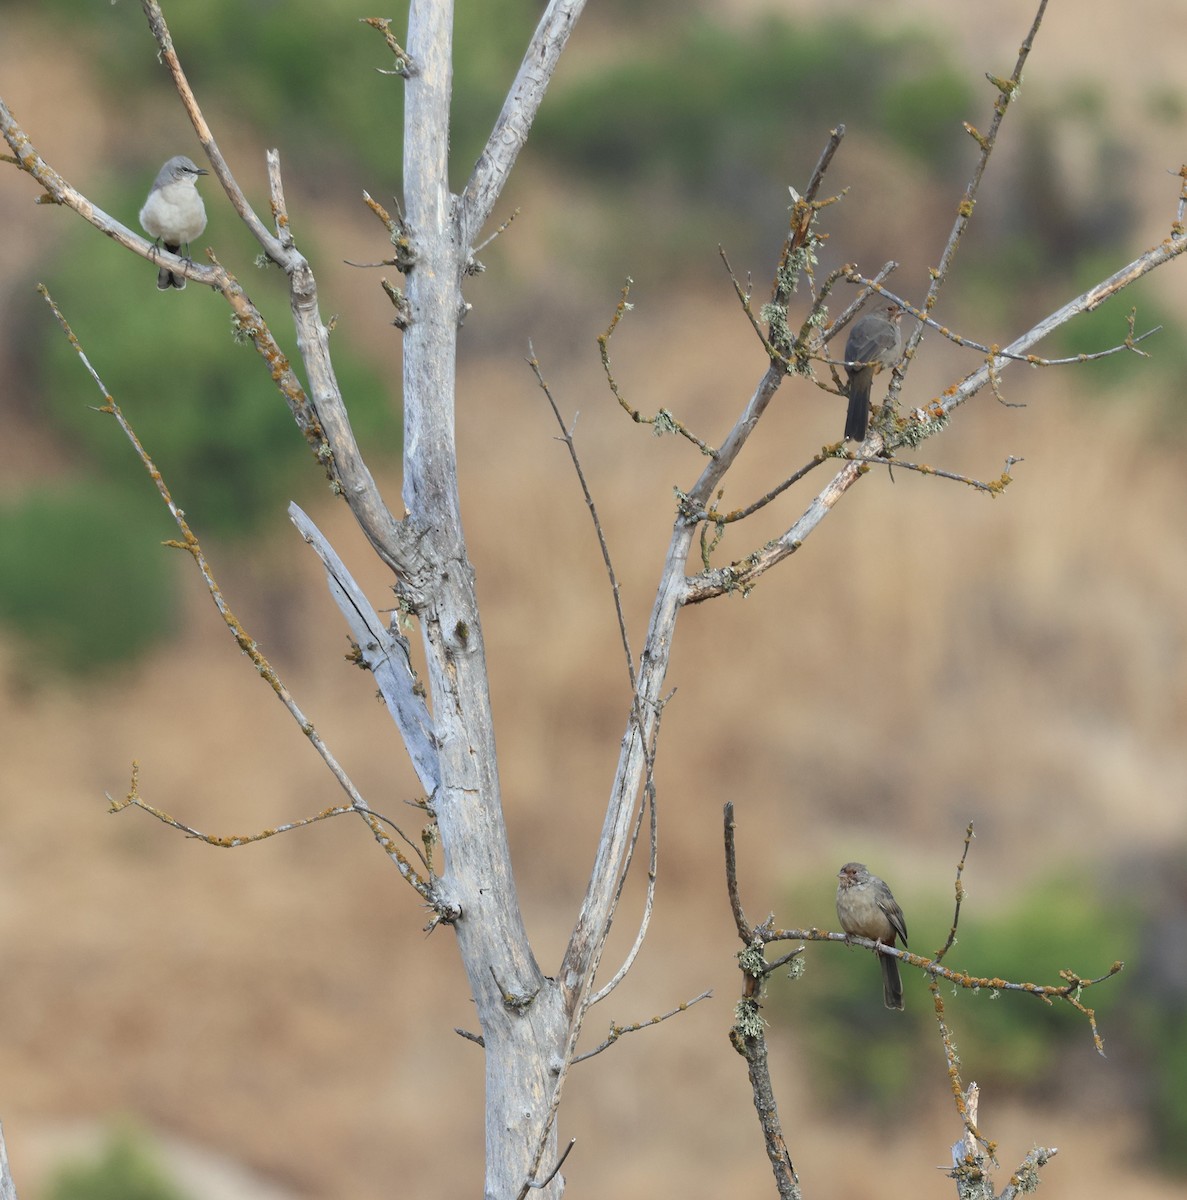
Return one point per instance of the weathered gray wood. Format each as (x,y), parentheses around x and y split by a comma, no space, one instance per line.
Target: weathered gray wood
(384,652)
(7,1187)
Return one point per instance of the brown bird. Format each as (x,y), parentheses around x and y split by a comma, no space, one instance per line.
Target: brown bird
(867,909)
(874,342)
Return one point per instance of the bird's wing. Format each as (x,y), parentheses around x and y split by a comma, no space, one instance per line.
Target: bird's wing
(894,915)
(868,344)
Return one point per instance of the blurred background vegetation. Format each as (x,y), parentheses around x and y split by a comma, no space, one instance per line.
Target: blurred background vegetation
(686,126)
(126,1168)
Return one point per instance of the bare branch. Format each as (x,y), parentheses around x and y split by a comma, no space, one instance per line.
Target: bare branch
(7,1186)
(543,1183)
(748,1034)
(385,653)
(1067,991)
(156,22)
(1093,298)
(796,257)
(510,131)
(280,212)
(663,421)
(617,1031)
(405,67)
(350,472)
(742,574)
(59,191)
(246,643)
(996,353)
(731,876)
(960,894)
(320,414)
(652,866)
(133,799)
(1007,90)
(615,588)
(994,487)
(972,1157)
(1026,1175)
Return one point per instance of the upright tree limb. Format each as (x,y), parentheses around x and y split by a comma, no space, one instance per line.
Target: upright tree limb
(515,121)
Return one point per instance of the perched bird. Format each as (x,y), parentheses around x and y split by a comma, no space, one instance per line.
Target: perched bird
(874,342)
(174,213)
(866,909)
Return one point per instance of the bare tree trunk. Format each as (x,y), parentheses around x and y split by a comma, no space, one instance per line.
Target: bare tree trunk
(521,1014)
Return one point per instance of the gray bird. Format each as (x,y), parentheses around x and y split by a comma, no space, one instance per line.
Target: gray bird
(174,213)
(866,908)
(874,342)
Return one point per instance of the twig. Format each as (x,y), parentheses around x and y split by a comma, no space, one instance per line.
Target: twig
(652,865)
(1026,1175)
(617,1031)
(567,438)
(851,309)
(246,643)
(272,245)
(543,1183)
(133,799)
(960,893)
(794,257)
(716,517)
(663,421)
(967,1116)
(994,487)
(405,67)
(649,783)
(996,353)
(744,298)
(280,212)
(731,876)
(501,229)
(1007,90)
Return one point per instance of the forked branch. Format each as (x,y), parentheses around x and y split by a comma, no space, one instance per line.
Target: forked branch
(189,542)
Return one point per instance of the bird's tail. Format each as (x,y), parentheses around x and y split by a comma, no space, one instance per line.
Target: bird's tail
(892,984)
(165,278)
(857,419)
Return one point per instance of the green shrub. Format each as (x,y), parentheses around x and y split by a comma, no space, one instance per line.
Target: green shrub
(707,97)
(84,582)
(126,1169)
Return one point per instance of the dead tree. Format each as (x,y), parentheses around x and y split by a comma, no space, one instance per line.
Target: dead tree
(530,1019)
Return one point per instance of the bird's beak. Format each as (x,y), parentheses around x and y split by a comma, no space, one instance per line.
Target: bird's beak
(201,171)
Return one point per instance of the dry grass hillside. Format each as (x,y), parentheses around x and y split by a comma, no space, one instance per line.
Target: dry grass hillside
(930,657)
